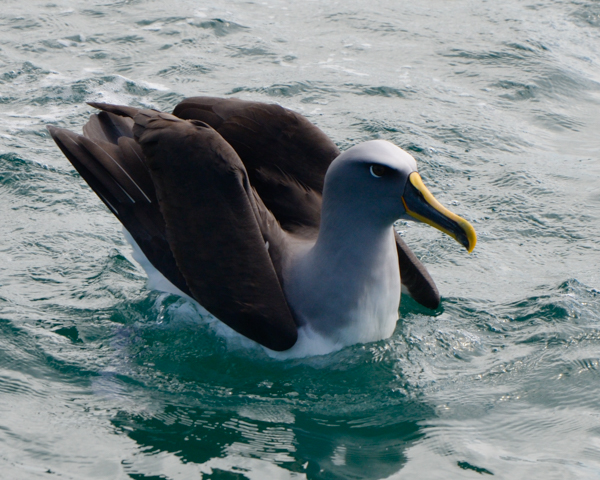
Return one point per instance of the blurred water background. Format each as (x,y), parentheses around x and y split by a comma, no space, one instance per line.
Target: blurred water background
(102,377)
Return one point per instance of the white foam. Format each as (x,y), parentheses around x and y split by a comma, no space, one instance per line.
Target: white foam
(309,344)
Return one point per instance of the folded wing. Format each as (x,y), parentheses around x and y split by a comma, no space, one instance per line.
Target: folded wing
(285,155)
(179,184)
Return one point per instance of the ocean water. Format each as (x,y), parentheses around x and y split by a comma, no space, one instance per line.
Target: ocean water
(103,377)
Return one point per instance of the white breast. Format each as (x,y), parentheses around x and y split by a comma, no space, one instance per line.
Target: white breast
(376,312)
(347,297)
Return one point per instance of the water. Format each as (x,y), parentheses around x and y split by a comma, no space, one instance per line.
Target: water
(102,377)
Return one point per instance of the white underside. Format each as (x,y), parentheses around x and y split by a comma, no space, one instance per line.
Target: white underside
(374,319)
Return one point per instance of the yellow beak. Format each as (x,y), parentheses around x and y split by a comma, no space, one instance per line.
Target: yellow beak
(422,205)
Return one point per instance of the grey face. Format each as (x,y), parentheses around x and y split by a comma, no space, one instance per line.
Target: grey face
(371,178)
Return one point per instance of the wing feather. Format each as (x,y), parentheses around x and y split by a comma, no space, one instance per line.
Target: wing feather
(285,155)
(212,227)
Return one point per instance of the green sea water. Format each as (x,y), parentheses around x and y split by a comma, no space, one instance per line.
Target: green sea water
(102,377)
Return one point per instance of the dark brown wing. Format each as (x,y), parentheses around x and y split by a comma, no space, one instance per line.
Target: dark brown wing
(111,162)
(212,226)
(184,195)
(415,276)
(285,155)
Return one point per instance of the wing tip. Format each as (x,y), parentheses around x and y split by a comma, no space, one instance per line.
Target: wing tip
(121,110)
(54,131)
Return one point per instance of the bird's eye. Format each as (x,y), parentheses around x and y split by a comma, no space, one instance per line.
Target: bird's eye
(378,171)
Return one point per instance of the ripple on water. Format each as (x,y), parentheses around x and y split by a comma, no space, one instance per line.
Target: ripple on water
(101,376)
(588,15)
(219,27)
(292,89)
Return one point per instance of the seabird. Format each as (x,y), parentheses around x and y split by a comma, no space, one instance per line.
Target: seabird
(253,211)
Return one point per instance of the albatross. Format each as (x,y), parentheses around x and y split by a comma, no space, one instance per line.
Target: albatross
(252,211)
